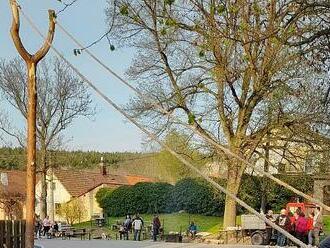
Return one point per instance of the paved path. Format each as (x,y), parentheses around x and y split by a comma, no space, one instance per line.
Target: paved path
(126,244)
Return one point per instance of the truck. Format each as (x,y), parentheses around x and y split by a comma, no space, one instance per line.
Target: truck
(260,233)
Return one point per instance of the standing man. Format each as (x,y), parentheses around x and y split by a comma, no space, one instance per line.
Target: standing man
(318,225)
(155,227)
(284,222)
(137,226)
(47,224)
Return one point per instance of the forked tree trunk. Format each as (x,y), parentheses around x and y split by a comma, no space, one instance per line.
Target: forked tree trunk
(31,62)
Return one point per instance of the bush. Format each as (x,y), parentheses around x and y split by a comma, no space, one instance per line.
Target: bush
(73,211)
(144,198)
(102,195)
(276,195)
(196,196)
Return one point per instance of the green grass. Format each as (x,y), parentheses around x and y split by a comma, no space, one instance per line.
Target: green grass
(173,222)
(177,222)
(326,221)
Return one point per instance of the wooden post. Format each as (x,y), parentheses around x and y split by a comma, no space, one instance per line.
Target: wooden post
(9,233)
(31,61)
(2,232)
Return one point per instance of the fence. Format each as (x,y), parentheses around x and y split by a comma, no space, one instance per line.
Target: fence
(12,233)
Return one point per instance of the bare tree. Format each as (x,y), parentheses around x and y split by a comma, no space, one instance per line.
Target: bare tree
(62,98)
(228,68)
(12,204)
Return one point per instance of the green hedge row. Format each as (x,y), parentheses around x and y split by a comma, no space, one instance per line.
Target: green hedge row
(196,196)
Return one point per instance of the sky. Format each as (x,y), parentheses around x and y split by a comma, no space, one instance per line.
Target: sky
(108,131)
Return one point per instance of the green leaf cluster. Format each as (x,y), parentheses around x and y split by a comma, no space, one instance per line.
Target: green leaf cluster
(196,196)
(143,198)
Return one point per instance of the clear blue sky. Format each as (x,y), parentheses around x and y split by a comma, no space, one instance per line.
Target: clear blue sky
(109,131)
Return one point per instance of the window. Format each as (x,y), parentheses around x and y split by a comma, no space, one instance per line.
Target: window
(57,208)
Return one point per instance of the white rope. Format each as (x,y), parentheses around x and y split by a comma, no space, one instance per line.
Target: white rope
(155,138)
(193,128)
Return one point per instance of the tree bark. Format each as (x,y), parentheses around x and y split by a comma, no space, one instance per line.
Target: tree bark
(235,171)
(31,154)
(230,205)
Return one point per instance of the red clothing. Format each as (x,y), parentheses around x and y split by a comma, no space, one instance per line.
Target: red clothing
(293,220)
(301,225)
(310,224)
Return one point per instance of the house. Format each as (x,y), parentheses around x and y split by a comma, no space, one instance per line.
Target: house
(68,185)
(12,194)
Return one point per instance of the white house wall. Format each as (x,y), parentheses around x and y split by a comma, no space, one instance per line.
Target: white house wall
(61,195)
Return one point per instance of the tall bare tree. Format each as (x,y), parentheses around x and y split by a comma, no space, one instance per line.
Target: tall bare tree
(62,98)
(219,64)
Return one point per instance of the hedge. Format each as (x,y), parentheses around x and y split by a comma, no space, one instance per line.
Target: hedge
(196,196)
(140,198)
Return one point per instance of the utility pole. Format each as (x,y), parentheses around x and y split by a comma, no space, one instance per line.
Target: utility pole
(31,61)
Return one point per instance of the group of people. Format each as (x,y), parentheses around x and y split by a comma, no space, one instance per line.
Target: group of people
(45,227)
(136,225)
(305,228)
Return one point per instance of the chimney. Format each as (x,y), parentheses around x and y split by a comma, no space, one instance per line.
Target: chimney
(103,168)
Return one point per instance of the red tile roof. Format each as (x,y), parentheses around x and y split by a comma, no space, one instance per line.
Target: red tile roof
(78,183)
(133,179)
(16,183)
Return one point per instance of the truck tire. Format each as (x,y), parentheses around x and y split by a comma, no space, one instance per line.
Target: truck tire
(257,238)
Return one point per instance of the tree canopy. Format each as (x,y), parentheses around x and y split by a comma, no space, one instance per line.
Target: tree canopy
(240,72)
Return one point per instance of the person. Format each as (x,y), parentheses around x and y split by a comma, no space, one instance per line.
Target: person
(270,215)
(122,231)
(37,226)
(192,229)
(318,226)
(269,229)
(284,222)
(155,227)
(127,226)
(310,228)
(292,227)
(56,229)
(46,223)
(301,227)
(137,226)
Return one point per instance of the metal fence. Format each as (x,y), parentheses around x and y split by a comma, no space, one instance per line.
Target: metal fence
(12,233)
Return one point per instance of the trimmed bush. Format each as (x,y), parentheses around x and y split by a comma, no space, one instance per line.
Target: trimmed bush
(196,196)
(144,198)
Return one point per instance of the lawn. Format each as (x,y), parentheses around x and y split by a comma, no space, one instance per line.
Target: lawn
(326,221)
(174,222)
(177,222)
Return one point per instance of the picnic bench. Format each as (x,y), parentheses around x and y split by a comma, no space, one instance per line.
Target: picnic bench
(172,237)
(76,232)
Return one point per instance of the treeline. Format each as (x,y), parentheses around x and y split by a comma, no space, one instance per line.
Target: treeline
(15,158)
(196,196)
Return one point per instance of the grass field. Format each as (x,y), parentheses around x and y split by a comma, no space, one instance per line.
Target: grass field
(179,222)
(174,222)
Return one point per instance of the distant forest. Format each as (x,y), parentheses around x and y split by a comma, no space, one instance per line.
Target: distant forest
(15,158)
(146,164)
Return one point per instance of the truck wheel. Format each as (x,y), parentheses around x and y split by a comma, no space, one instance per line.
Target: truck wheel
(257,238)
